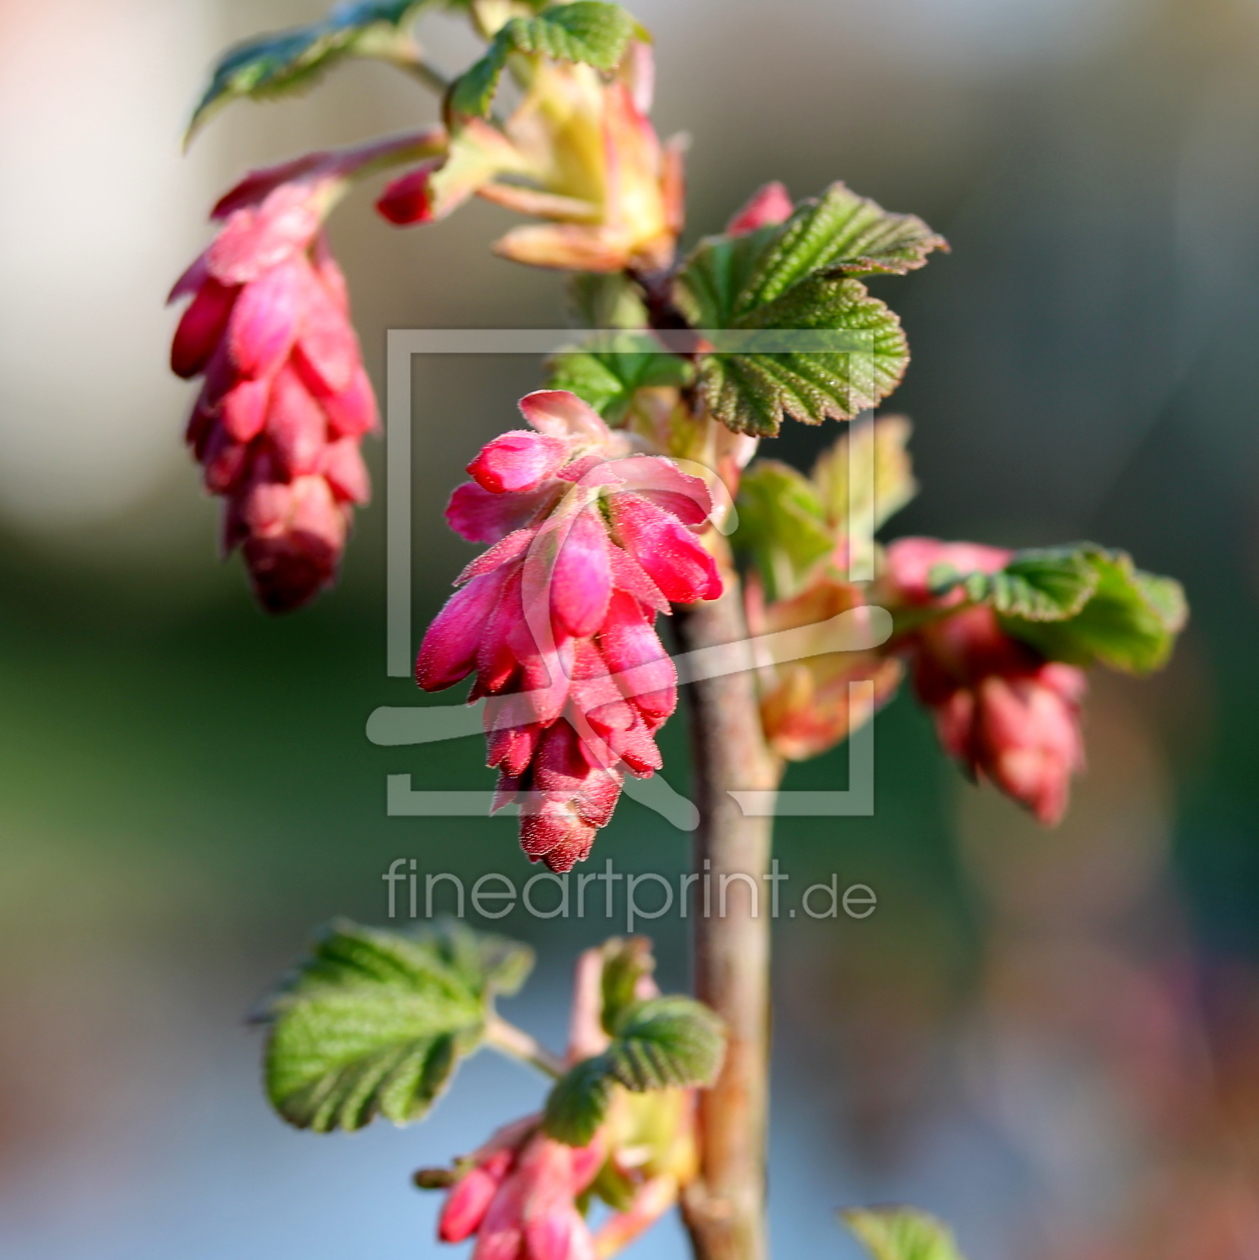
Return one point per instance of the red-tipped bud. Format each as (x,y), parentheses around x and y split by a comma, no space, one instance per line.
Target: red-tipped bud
(406,200)
(201,328)
(672,557)
(518,460)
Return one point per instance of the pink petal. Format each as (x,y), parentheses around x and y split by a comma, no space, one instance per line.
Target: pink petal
(295,425)
(503,552)
(479,516)
(581,581)
(298,556)
(258,185)
(343,468)
(201,328)
(244,409)
(545,675)
(466,1206)
(513,748)
(255,240)
(630,576)
(559,1234)
(661,481)
(352,412)
(634,653)
(518,460)
(326,341)
(767,207)
(561,414)
(200,422)
(193,278)
(225,461)
(267,506)
(330,274)
(496,662)
(449,650)
(264,322)
(673,559)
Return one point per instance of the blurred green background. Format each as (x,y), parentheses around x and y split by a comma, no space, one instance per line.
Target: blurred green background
(1051,1039)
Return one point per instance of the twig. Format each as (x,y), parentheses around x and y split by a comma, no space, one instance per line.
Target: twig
(518,1044)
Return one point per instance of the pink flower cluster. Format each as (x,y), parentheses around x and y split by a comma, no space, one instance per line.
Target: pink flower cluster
(1001,709)
(285,400)
(556,619)
(520,1198)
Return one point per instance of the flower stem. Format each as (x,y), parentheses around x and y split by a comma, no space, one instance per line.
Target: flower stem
(408,58)
(725,1207)
(518,1044)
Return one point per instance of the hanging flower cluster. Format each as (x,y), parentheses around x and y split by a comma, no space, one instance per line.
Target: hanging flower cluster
(285,401)
(1005,713)
(556,620)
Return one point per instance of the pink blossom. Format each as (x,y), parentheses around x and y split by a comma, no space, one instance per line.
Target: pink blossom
(285,400)
(520,1198)
(1007,714)
(556,619)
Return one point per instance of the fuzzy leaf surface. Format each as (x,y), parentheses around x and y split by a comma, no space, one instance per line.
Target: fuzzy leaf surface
(1129,623)
(626,961)
(375,1022)
(586,31)
(1086,605)
(798,276)
(289,61)
(751,392)
(578,1102)
(660,1043)
(898,1233)
(1051,584)
(837,232)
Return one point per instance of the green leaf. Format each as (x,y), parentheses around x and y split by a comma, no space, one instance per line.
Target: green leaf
(375,1022)
(288,61)
(797,277)
(717,273)
(897,1233)
(1084,605)
(751,393)
(660,1043)
(667,1042)
(1129,623)
(586,31)
(608,380)
(782,525)
(1038,585)
(578,1102)
(626,961)
(837,232)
